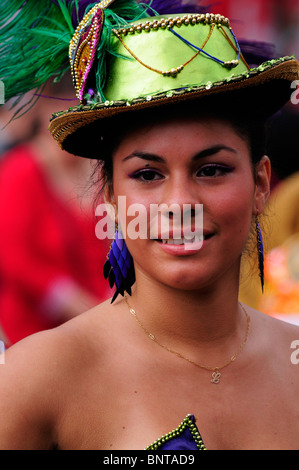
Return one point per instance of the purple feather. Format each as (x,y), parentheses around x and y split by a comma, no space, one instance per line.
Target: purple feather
(260,247)
(119,241)
(116,270)
(160,6)
(164,7)
(77,17)
(255,52)
(120,259)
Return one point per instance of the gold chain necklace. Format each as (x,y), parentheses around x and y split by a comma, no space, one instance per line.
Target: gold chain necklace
(216,375)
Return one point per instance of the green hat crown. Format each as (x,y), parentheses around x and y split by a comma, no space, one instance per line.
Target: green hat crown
(153,56)
(169,53)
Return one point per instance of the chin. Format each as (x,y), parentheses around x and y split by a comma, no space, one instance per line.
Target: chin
(198,275)
(188,280)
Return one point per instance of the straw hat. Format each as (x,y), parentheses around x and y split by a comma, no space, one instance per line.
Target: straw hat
(121,65)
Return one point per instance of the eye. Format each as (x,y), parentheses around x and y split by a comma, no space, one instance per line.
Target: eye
(212,171)
(146,175)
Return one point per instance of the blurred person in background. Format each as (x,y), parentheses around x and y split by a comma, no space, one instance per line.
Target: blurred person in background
(50,259)
(17,132)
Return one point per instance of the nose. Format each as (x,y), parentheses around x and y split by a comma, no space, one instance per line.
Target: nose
(181,199)
(181,190)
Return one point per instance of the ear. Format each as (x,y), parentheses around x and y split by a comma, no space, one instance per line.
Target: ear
(262,185)
(110,199)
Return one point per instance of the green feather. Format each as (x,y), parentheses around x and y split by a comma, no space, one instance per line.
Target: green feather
(35,37)
(34,42)
(119,15)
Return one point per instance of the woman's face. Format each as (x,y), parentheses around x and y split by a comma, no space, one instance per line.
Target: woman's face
(188,162)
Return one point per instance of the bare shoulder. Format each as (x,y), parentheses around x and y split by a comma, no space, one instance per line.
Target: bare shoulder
(275,326)
(35,375)
(278,341)
(50,353)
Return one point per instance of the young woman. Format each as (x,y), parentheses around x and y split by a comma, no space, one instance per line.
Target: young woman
(180,357)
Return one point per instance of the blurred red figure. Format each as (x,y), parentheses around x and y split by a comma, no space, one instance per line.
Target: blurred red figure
(50,259)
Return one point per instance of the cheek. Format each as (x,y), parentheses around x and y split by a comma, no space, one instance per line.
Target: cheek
(233,209)
(133,213)
(133,203)
(234,202)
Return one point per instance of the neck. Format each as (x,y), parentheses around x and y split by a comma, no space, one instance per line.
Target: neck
(203,318)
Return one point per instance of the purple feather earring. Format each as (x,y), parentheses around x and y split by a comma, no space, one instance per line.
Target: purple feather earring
(119,267)
(260,248)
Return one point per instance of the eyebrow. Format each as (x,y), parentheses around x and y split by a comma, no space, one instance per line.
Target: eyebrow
(202,154)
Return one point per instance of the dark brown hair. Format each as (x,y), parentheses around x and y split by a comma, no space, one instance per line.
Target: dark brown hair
(250,128)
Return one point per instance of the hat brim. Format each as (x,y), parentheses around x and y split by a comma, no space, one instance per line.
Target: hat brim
(262,91)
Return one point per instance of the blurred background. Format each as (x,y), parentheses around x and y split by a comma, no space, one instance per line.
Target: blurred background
(273,21)
(51,262)
(50,259)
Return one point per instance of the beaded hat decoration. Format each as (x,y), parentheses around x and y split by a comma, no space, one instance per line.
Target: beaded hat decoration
(83,48)
(124,56)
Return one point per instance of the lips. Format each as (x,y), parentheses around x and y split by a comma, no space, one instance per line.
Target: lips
(181,240)
(172,241)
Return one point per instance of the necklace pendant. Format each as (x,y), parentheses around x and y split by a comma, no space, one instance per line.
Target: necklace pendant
(216,376)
